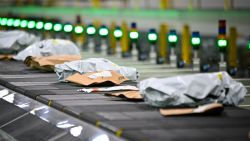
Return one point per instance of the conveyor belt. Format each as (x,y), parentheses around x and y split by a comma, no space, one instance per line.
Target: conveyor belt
(131,120)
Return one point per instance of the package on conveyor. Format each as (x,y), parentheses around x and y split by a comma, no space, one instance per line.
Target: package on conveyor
(97,78)
(49,47)
(13,41)
(93,65)
(48,63)
(210,89)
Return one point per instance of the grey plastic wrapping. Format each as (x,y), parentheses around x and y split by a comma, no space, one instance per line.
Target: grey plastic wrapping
(15,40)
(49,47)
(92,65)
(184,90)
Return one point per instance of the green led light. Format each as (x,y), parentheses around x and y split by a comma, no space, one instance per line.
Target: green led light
(118,33)
(58,27)
(249,45)
(196,41)
(103,32)
(4,21)
(91,30)
(152,37)
(68,28)
(134,35)
(31,24)
(222,43)
(39,25)
(24,23)
(48,26)
(78,29)
(17,22)
(10,22)
(172,38)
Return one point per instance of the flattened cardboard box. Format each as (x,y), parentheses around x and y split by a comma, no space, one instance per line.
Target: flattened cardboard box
(129,95)
(6,56)
(48,63)
(86,80)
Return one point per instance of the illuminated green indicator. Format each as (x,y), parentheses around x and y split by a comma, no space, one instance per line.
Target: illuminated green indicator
(17,22)
(152,37)
(31,24)
(172,38)
(222,43)
(134,35)
(78,29)
(103,31)
(58,27)
(10,22)
(196,41)
(118,33)
(68,28)
(4,21)
(248,45)
(91,30)
(48,26)
(39,25)
(24,23)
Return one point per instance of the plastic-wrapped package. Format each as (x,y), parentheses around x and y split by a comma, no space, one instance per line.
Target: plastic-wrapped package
(190,89)
(93,65)
(48,48)
(13,41)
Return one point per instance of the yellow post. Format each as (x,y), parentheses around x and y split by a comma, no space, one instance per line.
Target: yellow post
(124,39)
(190,4)
(112,39)
(96,3)
(232,49)
(186,47)
(164,4)
(97,23)
(163,47)
(227,4)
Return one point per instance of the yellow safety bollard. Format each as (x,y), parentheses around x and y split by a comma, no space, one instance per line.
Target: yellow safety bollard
(190,4)
(227,4)
(96,3)
(124,39)
(78,35)
(97,23)
(232,48)
(164,4)
(163,46)
(112,40)
(186,47)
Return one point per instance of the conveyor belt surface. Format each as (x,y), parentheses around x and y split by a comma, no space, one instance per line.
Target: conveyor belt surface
(131,120)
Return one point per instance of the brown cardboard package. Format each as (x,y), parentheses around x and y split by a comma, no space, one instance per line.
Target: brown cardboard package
(212,108)
(48,63)
(128,95)
(6,57)
(97,78)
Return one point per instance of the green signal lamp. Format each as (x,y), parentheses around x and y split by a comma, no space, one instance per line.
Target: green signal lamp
(4,21)
(17,22)
(10,22)
(103,31)
(57,27)
(31,24)
(91,30)
(172,38)
(196,40)
(24,24)
(118,33)
(134,35)
(48,26)
(222,44)
(68,28)
(152,36)
(78,29)
(39,25)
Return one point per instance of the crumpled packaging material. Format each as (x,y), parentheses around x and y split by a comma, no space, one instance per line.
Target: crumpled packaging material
(190,89)
(48,47)
(128,95)
(6,57)
(93,65)
(207,109)
(94,78)
(48,63)
(15,40)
